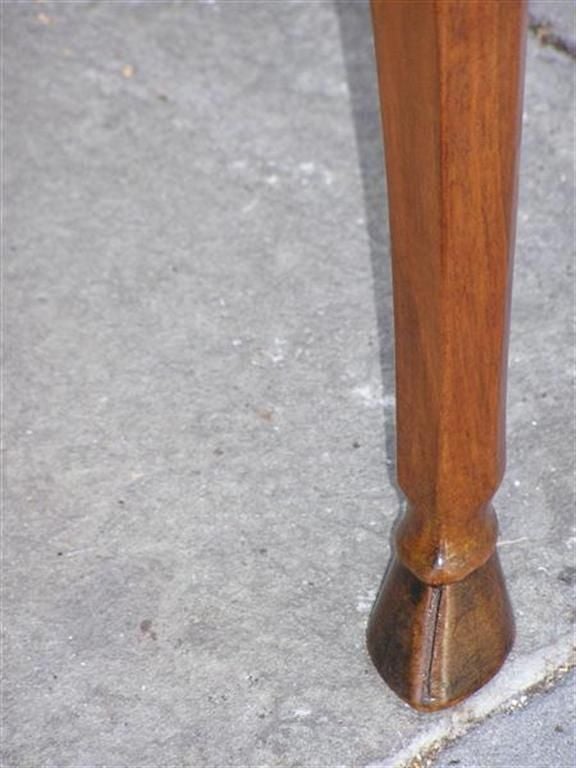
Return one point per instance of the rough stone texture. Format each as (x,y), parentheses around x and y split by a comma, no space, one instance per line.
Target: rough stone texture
(547,736)
(199,428)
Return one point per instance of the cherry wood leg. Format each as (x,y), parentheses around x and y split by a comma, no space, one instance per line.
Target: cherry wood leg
(450,76)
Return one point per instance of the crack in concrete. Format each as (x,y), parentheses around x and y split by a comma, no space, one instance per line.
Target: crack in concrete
(511,689)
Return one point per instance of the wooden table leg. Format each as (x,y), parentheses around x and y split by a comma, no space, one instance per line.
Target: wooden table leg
(450,76)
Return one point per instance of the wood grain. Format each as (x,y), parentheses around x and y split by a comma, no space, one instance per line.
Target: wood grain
(450,76)
(435,645)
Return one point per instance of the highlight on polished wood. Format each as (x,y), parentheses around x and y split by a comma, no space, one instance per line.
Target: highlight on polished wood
(450,76)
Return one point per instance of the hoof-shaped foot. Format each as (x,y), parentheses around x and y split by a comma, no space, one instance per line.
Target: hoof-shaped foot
(436,645)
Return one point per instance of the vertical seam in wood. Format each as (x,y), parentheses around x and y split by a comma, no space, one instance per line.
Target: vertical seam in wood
(431,632)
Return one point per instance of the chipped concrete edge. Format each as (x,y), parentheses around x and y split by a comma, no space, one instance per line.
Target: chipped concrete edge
(510,689)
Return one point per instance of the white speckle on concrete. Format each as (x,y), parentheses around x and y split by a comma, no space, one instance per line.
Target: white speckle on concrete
(510,542)
(278,352)
(365,601)
(307,168)
(369,395)
(249,207)
(328,177)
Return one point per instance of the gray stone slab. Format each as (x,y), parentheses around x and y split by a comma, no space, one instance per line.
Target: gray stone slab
(199,431)
(540,735)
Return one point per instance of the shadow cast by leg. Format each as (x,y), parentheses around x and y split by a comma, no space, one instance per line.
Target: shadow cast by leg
(356,37)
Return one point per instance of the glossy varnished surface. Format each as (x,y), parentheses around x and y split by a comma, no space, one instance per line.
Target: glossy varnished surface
(450,77)
(436,645)
(450,80)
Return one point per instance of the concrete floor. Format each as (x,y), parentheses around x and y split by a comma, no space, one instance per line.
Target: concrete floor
(199,402)
(538,735)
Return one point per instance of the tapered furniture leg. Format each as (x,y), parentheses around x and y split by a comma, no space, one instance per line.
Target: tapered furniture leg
(450,76)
